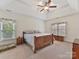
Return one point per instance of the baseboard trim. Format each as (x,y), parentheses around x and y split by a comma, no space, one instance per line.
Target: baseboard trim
(68,42)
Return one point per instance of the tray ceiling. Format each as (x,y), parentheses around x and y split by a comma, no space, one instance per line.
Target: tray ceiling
(28,7)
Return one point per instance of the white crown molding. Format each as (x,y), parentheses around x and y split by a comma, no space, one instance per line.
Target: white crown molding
(75,13)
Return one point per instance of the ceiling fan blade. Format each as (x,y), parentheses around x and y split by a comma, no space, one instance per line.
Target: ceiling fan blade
(52,6)
(41,10)
(40,5)
(49,1)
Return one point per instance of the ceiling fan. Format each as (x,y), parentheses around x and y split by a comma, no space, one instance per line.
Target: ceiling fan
(46,5)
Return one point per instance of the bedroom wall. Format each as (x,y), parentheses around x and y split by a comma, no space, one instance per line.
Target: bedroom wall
(24,23)
(72,26)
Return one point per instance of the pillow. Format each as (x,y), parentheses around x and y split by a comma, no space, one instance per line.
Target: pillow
(31,31)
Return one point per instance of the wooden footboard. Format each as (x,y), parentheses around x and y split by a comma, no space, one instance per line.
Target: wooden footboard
(42,41)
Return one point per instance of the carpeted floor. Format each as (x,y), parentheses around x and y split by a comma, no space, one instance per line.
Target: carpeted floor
(20,52)
(60,50)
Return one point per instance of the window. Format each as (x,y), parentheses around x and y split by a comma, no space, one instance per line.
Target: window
(7,30)
(0,25)
(59,29)
(62,29)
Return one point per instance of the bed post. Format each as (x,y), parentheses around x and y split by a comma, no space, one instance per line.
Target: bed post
(23,37)
(52,38)
(34,51)
(35,44)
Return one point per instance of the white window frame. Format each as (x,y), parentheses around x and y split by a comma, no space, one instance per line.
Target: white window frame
(1,30)
(1,25)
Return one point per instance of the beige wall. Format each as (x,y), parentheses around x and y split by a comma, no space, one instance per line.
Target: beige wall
(72,26)
(24,22)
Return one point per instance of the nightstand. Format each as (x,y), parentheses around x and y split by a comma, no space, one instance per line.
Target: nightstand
(20,40)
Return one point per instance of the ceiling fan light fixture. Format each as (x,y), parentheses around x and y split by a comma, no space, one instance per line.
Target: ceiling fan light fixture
(46,8)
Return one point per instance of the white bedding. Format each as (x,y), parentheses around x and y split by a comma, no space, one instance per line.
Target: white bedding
(29,38)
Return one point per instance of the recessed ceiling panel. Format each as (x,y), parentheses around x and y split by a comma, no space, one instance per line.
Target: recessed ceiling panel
(29,7)
(74,4)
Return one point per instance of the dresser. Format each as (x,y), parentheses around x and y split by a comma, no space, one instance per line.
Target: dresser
(75,49)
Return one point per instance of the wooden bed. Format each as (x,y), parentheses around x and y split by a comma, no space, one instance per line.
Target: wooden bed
(39,41)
